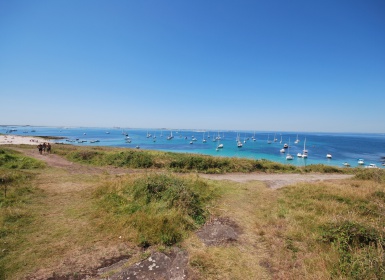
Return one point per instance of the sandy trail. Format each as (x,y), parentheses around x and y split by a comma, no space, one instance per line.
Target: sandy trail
(276,181)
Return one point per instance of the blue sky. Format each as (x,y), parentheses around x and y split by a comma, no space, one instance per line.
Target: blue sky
(295,65)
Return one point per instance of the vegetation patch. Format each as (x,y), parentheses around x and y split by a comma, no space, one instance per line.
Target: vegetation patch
(341,223)
(10,159)
(159,208)
(377,175)
(16,195)
(177,162)
(360,249)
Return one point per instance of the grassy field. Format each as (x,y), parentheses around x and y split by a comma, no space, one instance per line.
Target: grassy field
(67,221)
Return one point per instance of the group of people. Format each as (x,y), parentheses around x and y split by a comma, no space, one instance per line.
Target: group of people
(45,147)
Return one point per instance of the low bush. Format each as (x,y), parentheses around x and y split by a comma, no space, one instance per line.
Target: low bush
(161,208)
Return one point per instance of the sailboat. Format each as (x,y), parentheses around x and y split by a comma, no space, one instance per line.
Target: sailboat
(268,139)
(275,138)
(289,156)
(170,136)
(297,140)
(304,152)
(204,140)
(239,143)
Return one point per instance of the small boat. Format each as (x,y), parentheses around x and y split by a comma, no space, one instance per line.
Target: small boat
(346,164)
(107,132)
(299,155)
(289,156)
(239,143)
(191,142)
(282,150)
(268,139)
(137,147)
(285,146)
(170,136)
(329,156)
(372,165)
(360,161)
(304,152)
(297,140)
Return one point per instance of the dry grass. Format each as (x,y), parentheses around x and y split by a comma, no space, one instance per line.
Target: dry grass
(283,234)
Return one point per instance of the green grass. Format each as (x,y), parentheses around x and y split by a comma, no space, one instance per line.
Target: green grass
(157,208)
(16,194)
(180,162)
(343,223)
(10,159)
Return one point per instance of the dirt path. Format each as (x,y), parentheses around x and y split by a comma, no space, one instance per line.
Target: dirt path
(276,181)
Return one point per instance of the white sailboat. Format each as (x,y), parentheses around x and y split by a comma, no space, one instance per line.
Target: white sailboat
(289,156)
(239,143)
(304,152)
(170,136)
(297,140)
(268,139)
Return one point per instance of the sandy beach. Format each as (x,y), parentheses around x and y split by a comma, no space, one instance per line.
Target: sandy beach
(8,139)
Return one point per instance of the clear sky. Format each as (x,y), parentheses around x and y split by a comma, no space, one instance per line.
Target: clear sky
(277,65)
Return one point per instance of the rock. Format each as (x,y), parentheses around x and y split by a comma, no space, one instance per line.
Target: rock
(217,232)
(158,266)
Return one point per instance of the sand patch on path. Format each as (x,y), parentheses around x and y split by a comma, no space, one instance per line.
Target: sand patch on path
(276,181)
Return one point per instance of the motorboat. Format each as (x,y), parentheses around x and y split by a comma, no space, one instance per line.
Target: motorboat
(360,161)
(372,165)
(299,155)
(282,150)
(329,156)
(220,146)
(346,164)
(285,146)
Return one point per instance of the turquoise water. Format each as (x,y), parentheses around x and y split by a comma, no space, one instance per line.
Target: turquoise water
(344,147)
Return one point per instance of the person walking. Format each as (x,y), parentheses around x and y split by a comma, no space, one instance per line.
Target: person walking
(40,148)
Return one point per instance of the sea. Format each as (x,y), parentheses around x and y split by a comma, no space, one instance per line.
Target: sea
(342,147)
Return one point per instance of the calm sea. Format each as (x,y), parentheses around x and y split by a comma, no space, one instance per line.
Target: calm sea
(344,147)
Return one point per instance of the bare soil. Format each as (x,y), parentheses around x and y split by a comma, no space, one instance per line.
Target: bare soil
(276,181)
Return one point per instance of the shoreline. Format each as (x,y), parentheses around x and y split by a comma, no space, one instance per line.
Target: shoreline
(9,139)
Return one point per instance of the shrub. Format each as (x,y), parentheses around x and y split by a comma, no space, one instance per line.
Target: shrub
(161,208)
